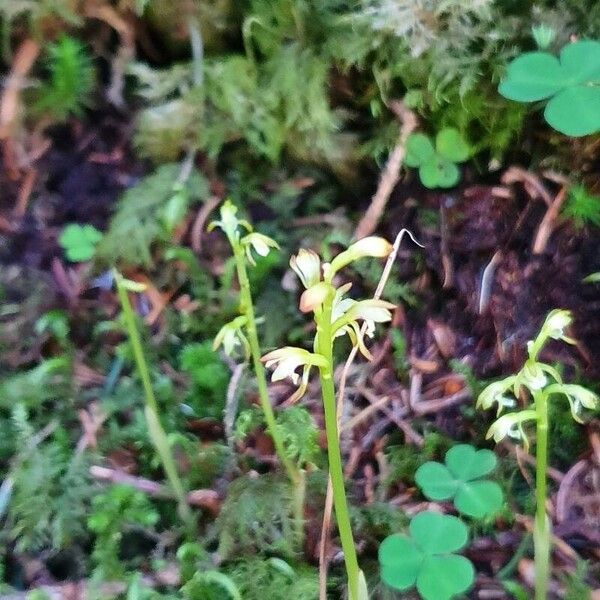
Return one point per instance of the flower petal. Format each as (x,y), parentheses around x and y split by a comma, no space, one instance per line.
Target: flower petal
(377,311)
(314,296)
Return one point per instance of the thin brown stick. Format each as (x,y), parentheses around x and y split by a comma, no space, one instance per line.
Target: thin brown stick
(25,193)
(24,59)
(326,526)
(390,175)
(204,498)
(566,487)
(201,218)
(548,222)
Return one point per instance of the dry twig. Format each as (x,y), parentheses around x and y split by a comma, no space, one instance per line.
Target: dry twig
(390,175)
(205,498)
(201,218)
(548,222)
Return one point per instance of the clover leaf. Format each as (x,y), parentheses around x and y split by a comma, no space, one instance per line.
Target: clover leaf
(425,559)
(460,480)
(79,241)
(570,82)
(436,165)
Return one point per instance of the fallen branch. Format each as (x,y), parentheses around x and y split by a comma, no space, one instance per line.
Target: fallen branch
(204,498)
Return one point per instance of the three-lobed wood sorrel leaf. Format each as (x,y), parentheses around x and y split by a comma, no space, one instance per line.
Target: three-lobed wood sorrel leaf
(570,83)
(437,164)
(425,559)
(459,480)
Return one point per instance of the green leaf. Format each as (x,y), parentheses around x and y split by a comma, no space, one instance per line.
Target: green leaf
(400,561)
(439,173)
(581,61)
(575,111)
(573,81)
(435,533)
(444,577)
(419,150)
(455,480)
(451,145)
(79,241)
(467,463)
(436,481)
(533,76)
(195,589)
(479,499)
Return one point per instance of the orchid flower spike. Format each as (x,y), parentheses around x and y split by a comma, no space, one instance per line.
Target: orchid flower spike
(286,362)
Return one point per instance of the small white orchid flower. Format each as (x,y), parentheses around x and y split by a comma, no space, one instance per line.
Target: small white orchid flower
(532,376)
(554,327)
(511,425)
(261,244)
(369,311)
(373,246)
(307,265)
(231,335)
(578,397)
(377,311)
(286,362)
(494,393)
(556,322)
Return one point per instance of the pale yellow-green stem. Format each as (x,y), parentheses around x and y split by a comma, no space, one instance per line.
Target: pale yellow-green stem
(336,473)
(155,429)
(541,530)
(295,475)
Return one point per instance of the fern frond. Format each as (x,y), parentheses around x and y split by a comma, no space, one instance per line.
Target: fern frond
(138,220)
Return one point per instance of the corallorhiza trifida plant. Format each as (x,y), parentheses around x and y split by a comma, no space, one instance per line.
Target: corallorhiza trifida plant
(334,316)
(538,381)
(241,334)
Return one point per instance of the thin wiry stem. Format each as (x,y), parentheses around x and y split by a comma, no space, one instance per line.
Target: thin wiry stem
(541,531)
(157,433)
(295,475)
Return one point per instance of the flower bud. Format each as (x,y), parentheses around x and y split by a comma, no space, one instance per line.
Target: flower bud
(372,246)
(307,265)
